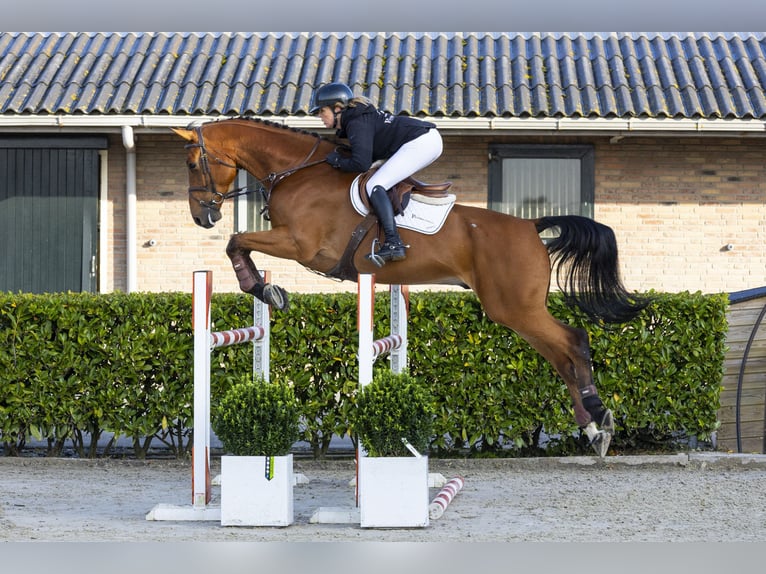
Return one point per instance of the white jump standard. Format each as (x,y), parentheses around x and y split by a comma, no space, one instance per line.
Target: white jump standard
(204,342)
(395,342)
(370,349)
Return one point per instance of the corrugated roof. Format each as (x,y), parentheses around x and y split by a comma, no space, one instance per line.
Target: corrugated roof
(619,75)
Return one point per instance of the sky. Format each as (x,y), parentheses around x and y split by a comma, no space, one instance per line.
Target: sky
(387,16)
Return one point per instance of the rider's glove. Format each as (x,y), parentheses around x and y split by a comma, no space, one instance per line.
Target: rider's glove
(333,158)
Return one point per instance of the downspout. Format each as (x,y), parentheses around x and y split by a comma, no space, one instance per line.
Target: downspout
(129,143)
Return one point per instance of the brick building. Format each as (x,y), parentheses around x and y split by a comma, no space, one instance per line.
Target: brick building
(663,135)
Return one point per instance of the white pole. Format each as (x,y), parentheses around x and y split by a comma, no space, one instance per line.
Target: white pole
(365,309)
(128,142)
(203,288)
(262,346)
(399,309)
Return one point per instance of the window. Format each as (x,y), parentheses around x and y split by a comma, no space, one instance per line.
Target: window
(248,207)
(532,181)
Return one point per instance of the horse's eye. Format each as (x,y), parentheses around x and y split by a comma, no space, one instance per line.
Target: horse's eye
(192,165)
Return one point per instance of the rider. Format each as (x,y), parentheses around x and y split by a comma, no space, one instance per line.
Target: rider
(408,144)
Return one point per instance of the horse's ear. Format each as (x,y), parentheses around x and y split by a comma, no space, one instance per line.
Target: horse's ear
(188,135)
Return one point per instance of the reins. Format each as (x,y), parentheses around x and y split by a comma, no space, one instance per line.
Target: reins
(274,178)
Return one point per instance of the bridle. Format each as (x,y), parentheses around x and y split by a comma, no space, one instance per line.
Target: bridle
(217,198)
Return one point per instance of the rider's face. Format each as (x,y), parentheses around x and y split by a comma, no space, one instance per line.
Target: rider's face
(328,117)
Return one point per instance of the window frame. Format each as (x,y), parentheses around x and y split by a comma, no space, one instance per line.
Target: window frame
(584,152)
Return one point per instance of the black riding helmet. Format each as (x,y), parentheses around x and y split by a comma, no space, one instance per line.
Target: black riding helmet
(331,94)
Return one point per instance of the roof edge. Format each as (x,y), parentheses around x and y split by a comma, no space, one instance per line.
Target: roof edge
(624,127)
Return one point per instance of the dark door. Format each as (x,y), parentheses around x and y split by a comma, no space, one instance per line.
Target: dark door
(49,213)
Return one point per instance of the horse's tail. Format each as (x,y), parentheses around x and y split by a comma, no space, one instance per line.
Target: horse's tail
(585,254)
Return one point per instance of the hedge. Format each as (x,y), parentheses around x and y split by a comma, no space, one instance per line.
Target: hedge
(76,366)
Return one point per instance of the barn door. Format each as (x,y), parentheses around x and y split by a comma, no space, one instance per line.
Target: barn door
(49,213)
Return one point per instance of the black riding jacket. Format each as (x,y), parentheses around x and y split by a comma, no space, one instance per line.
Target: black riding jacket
(374,135)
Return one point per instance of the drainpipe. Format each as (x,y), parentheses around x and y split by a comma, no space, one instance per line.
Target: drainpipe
(129,143)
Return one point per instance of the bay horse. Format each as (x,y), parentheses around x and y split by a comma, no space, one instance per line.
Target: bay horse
(500,257)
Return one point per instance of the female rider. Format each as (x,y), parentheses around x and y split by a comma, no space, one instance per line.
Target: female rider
(407,144)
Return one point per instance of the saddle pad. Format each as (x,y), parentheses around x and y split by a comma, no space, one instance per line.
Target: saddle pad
(423,214)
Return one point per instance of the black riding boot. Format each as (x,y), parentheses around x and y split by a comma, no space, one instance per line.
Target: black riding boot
(393,249)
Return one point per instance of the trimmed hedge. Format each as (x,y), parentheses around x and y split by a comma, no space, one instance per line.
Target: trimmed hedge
(661,374)
(75,366)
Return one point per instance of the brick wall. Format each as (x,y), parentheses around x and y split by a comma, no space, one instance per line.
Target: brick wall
(674,204)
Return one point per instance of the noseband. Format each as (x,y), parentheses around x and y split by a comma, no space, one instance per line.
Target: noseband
(217,197)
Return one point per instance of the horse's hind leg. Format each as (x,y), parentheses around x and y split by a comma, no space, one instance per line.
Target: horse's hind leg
(514,294)
(568,350)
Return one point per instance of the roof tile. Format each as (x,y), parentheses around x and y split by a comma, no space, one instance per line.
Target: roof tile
(429,74)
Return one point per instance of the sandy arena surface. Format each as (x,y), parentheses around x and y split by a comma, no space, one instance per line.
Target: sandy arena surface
(703,497)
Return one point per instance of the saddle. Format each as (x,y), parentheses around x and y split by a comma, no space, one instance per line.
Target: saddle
(399,195)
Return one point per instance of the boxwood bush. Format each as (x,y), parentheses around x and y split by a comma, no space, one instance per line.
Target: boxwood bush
(256,417)
(392,407)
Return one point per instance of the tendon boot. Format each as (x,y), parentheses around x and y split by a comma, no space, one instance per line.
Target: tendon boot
(393,249)
(600,414)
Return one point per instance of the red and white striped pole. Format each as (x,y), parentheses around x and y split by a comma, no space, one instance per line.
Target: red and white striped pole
(445,496)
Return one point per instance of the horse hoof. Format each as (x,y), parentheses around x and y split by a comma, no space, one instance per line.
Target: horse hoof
(600,443)
(607,423)
(599,439)
(275,296)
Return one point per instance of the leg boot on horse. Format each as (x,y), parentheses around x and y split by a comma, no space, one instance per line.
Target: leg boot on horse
(393,248)
(601,428)
(250,280)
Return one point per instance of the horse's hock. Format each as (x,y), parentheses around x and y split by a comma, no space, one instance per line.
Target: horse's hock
(742,413)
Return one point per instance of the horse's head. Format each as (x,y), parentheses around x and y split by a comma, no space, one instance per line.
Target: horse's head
(209,177)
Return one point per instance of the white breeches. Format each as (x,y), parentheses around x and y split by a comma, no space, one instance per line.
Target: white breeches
(410,158)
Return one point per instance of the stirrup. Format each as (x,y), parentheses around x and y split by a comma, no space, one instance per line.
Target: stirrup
(387,252)
(376,259)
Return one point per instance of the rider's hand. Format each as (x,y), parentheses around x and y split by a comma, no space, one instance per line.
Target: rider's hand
(333,158)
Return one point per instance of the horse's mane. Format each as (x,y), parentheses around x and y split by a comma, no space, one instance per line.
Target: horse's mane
(268,123)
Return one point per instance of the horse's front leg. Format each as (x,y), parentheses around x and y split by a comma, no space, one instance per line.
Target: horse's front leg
(238,249)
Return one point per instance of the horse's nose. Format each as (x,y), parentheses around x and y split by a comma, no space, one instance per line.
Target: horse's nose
(207,218)
(202,222)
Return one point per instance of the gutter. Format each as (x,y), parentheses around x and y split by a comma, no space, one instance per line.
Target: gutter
(569,126)
(128,142)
